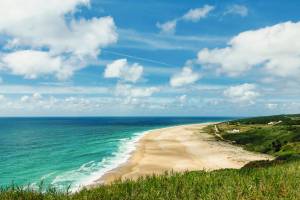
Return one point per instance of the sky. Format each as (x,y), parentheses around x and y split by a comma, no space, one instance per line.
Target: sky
(149,58)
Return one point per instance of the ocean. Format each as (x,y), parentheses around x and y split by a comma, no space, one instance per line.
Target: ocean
(74,152)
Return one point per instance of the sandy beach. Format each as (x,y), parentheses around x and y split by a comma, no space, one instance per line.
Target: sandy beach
(180,148)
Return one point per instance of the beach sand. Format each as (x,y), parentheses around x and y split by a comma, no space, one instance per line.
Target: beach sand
(180,148)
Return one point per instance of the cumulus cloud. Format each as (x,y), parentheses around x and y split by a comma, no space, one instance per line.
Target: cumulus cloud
(272,106)
(35,97)
(291,107)
(123,70)
(33,25)
(75,101)
(30,63)
(2,97)
(135,96)
(185,77)
(193,15)
(244,94)
(53,89)
(182,100)
(273,48)
(127,90)
(196,14)
(24,99)
(36,104)
(237,10)
(168,27)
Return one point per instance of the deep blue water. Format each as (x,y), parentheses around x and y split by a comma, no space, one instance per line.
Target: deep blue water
(72,151)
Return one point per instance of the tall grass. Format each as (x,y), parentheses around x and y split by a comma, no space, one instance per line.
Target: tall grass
(274,182)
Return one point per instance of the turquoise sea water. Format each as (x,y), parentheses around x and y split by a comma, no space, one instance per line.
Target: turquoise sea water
(72,151)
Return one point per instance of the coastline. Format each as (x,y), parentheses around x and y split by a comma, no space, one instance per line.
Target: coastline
(178,148)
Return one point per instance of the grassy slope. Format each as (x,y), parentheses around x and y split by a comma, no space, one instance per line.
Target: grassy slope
(281,140)
(275,180)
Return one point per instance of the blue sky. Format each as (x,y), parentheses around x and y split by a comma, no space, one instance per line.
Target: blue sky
(142,58)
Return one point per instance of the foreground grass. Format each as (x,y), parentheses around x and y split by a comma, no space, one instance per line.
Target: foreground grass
(274,182)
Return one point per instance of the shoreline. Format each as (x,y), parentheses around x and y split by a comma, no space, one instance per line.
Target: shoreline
(126,154)
(178,148)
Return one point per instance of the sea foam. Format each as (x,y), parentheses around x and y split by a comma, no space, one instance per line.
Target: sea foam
(92,171)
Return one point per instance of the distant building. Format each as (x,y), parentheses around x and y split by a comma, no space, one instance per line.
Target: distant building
(234,131)
(274,123)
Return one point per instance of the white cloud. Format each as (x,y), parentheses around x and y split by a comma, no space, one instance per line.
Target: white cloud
(244,94)
(185,77)
(33,25)
(272,106)
(80,102)
(24,99)
(193,15)
(196,14)
(135,96)
(121,69)
(168,27)
(127,90)
(2,98)
(36,104)
(291,107)
(31,64)
(273,48)
(182,98)
(114,69)
(38,24)
(35,97)
(237,10)
(58,90)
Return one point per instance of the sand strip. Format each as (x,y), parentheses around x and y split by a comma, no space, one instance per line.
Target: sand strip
(180,148)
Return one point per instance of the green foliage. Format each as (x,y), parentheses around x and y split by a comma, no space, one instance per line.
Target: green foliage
(279,181)
(286,120)
(275,140)
(256,135)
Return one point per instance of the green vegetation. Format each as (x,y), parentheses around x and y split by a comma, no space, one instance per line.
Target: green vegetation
(278,179)
(286,120)
(276,135)
(276,182)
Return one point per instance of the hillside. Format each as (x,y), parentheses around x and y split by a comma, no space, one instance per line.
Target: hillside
(276,182)
(276,135)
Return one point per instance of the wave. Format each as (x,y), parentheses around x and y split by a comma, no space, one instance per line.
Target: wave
(92,171)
